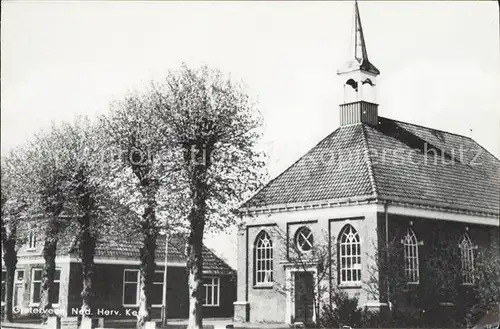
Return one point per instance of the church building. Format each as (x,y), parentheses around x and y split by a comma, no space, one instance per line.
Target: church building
(373,189)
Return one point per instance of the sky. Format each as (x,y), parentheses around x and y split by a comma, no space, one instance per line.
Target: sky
(439,63)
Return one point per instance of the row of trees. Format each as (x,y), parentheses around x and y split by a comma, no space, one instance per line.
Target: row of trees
(180,156)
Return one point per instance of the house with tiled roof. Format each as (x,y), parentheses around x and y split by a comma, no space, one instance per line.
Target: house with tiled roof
(116,278)
(372,184)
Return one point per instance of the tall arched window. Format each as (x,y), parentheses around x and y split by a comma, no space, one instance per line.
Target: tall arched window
(263,264)
(467,259)
(349,255)
(410,245)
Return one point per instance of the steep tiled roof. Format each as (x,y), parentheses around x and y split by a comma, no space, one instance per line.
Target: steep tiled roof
(324,173)
(117,247)
(393,161)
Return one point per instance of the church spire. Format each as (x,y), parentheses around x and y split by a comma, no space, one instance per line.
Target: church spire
(359,79)
(360,56)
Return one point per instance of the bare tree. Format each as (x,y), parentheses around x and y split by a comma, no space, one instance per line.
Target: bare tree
(210,125)
(305,253)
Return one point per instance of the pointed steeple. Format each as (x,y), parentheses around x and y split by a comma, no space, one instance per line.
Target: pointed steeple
(359,82)
(360,55)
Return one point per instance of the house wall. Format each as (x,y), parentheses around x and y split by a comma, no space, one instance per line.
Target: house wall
(25,307)
(272,303)
(108,285)
(108,282)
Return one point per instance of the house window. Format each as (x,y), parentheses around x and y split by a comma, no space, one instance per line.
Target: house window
(32,241)
(4,277)
(350,256)
(19,276)
(212,291)
(131,287)
(304,239)
(263,259)
(410,245)
(36,286)
(467,259)
(157,293)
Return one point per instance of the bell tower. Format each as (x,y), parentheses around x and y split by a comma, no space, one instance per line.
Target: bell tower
(359,78)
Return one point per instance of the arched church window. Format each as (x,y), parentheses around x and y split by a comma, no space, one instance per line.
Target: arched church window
(467,259)
(410,245)
(349,255)
(304,239)
(263,264)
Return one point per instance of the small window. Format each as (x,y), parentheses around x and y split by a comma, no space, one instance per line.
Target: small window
(304,239)
(467,259)
(131,287)
(212,291)
(410,245)
(157,293)
(263,264)
(36,287)
(32,241)
(19,276)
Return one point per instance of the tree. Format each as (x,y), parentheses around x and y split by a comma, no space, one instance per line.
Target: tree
(90,205)
(14,202)
(211,128)
(50,179)
(487,278)
(440,298)
(140,179)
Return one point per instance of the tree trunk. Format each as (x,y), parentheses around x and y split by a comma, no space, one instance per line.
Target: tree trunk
(87,252)
(148,265)
(195,244)
(195,268)
(49,269)
(10,259)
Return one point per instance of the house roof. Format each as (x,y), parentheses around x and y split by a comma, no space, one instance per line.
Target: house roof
(393,161)
(118,248)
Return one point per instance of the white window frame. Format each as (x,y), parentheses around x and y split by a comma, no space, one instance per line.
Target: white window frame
(467,259)
(411,260)
(160,284)
(307,239)
(263,265)
(4,283)
(138,286)
(213,285)
(32,286)
(32,241)
(349,240)
(18,282)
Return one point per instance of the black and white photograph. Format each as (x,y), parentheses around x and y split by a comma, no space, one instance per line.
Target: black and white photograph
(250,164)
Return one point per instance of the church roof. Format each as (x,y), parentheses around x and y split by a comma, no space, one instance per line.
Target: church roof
(393,161)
